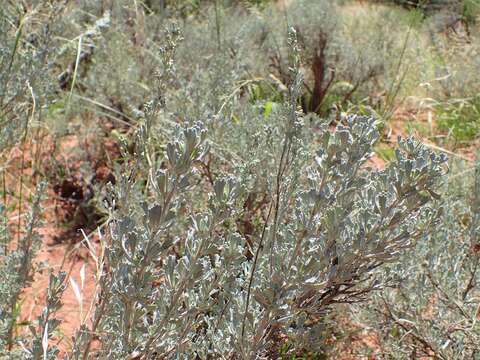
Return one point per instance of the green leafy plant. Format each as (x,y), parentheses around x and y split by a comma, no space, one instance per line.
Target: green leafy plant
(461,119)
(24,54)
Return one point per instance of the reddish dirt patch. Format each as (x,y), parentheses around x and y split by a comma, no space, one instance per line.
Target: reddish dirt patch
(61,250)
(61,257)
(65,211)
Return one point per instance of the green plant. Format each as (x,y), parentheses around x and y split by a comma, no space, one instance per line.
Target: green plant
(461,118)
(471,11)
(25,91)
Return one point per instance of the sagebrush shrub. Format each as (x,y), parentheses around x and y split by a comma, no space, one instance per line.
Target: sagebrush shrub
(432,306)
(183,279)
(236,220)
(24,65)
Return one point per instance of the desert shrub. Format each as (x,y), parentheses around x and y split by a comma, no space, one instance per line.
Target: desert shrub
(345,65)
(231,54)
(25,93)
(452,66)
(315,28)
(24,65)
(430,5)
(237,219)
(432,307)
(183,278)
(451,10)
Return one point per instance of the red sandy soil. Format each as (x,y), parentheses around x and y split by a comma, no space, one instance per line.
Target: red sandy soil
(59,257)
(62,248)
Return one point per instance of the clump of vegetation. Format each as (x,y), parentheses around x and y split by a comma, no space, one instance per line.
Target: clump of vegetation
(432,308)
(24,71)
(228,148)
(461,119)
(185,278)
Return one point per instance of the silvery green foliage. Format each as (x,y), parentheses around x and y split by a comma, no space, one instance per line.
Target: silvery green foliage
(24,56)
(107,48)
(433,308)
(340,228)
(214,61)
(227,54)
(143,294)
(183,279)
(359,62)
(41,347)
